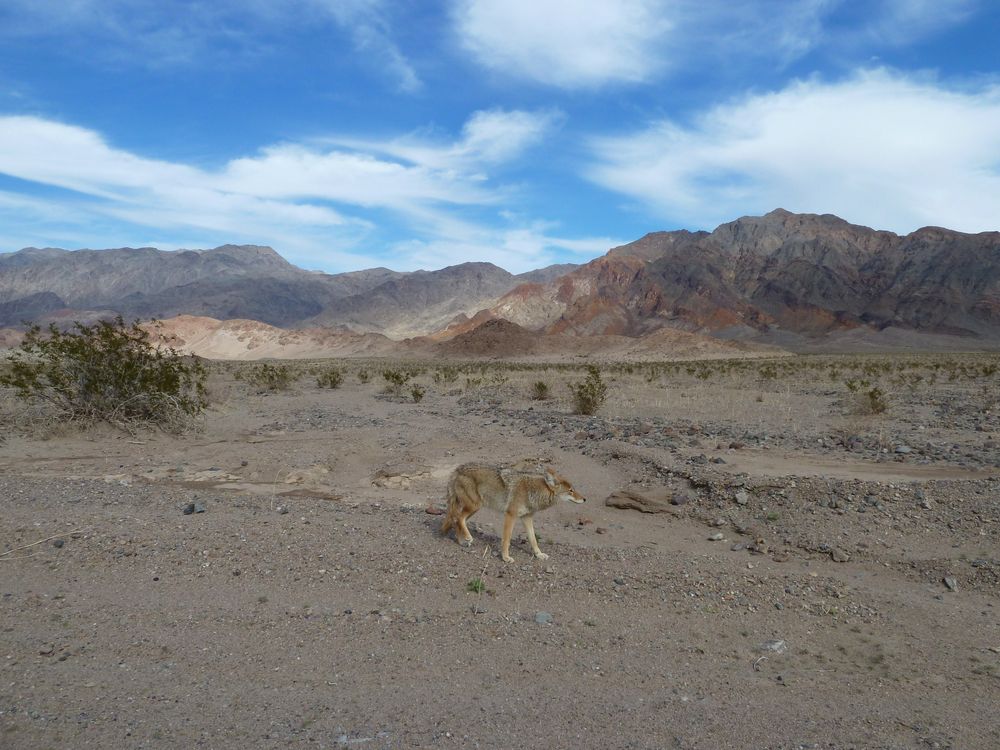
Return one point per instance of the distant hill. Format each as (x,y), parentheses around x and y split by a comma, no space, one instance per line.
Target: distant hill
(793,279)
(803,282)
(242,282)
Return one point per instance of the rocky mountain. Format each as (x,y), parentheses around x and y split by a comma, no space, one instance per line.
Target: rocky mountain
(783,277)
(242,282)
(798,281)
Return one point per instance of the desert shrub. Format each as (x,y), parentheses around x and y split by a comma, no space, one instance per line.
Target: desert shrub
(540,391)
(364,376)
(445,374)
(396,379)
(109,372)
(331,378)
(417,392)
(868,398)
(590,394)
(268,377)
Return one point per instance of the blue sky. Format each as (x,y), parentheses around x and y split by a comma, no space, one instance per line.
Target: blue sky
(415,134)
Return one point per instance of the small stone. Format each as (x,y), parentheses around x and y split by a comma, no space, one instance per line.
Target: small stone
(620,581)
(738,547)
(282,510)
(434,510)
(719,522)
(199,508)
(58,543)
(838,555)
(903,449)
(774,647)
(600,530)
(717,537)
(188,509)
(951,582)
(742,497)
(543,618)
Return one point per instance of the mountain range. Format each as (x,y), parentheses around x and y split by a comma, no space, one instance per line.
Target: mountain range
(799,281)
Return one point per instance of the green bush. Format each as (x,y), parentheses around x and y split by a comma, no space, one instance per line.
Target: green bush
(589,395)
(417,393)
(364,376)
(268,377)
(540,391)
(107,372)
(331,378)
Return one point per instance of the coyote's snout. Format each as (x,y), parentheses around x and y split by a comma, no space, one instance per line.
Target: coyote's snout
(517,494)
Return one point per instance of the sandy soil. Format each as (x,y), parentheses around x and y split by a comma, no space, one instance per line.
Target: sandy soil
(311,601)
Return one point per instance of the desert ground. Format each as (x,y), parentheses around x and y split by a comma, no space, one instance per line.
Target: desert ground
(816,572)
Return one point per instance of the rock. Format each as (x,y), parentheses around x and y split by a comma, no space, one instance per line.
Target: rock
(903,449)
(188,509)
(434,510)
(738,547)
(838,555)
(717,537)
(774,647)
(58,543)
(632,500)
(583,520)
(680,498)
(735,445)
(399,475)
(600,530)
(282,510)
(543,618)
(742,497)
(951,582)
(199,508)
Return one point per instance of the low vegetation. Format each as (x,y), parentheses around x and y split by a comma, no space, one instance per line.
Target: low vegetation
(590,394)
(267,377)
(330,378)
(107,372)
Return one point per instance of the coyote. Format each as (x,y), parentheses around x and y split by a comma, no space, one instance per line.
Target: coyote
(513,491)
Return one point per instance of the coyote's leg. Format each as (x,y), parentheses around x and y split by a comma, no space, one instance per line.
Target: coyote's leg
(529,524)
(508,529)
(463,535)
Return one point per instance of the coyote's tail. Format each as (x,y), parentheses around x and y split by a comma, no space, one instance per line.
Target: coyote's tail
(452,512)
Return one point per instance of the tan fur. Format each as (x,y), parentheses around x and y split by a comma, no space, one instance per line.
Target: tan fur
(515,492)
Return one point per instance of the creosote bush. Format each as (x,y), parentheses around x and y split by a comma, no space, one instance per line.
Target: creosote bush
(268,377)
(107,372)
(589,395)
(540,391)
(417,393)
(331,378)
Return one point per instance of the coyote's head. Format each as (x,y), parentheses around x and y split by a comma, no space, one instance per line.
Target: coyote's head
(561,488)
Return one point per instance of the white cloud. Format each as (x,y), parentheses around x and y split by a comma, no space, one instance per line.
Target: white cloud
(319,201)
(880,149)
(902,21)
(489,137)
(189,32)
(571,43)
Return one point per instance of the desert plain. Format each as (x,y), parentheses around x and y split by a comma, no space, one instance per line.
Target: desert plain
(792,567)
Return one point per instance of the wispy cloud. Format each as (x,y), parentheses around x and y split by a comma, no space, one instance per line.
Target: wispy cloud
(880,148)
(193,32)
(325,200)
(569,43)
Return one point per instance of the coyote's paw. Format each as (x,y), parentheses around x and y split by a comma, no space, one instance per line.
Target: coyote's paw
(507,558)
(466,542)
(541,556)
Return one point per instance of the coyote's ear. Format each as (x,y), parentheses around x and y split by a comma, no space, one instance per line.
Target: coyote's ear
(550,478)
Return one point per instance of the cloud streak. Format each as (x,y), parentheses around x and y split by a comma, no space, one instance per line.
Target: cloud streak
(324,200)
(879,148)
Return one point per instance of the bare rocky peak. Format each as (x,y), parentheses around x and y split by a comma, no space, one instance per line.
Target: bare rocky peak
(803,274)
